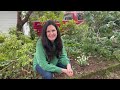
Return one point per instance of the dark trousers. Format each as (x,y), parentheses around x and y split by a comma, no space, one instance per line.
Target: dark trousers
(47,74)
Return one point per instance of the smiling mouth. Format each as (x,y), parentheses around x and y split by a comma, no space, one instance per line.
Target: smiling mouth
(52,36)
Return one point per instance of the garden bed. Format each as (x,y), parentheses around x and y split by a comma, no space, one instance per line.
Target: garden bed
(90,71)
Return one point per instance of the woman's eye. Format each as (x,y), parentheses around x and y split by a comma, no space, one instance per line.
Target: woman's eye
(53,30)
(48,31)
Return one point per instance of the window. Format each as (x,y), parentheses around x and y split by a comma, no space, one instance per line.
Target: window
(80,16)
(68,16)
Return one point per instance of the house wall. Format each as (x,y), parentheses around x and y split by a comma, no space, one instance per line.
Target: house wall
(7,19)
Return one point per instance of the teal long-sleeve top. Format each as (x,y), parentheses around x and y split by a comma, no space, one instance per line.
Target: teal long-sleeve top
(40,59)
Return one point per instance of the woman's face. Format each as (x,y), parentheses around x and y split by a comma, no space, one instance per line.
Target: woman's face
(51,33)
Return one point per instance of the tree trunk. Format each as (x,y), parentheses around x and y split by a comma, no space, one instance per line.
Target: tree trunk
(20,21)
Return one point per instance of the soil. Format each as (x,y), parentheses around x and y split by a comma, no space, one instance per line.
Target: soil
(80,72)
(94,65)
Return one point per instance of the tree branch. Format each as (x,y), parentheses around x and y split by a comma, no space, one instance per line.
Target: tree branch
(26,17)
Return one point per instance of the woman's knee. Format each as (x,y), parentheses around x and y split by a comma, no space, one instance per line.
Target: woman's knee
(61,65)
(45,74)
(48,75)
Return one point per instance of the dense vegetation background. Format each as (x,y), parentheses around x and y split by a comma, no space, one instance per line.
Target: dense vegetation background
(98,36)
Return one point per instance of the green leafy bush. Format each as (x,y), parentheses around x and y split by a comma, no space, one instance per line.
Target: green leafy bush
(116,53)
(2,38)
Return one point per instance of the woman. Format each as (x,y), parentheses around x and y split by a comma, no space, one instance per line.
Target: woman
(50,53)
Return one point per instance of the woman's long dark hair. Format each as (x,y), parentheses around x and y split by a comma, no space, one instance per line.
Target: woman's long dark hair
(48,45)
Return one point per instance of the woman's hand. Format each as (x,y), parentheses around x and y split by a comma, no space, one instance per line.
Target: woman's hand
(69,73)
(69,70)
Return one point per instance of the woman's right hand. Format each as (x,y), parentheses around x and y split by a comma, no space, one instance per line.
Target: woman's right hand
(69,69)
(64,71)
